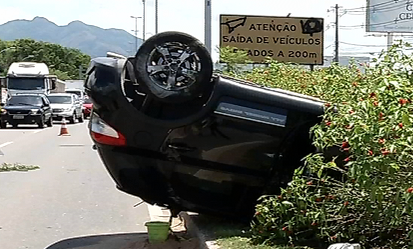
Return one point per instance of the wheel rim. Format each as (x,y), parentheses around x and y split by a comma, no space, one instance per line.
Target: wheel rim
(173,66)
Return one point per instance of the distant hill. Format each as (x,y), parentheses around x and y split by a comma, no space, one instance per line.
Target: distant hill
(90,39)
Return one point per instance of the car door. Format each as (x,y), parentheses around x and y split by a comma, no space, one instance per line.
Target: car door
(77,105)
(46,108)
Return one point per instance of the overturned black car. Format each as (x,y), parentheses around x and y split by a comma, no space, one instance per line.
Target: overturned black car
(174,134)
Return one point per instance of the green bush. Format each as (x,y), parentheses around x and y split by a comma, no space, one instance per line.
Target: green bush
(367,195)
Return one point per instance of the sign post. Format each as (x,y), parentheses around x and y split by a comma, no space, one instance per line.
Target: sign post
(284,39)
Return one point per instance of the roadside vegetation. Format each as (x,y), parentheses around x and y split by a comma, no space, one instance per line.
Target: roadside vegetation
(5,167)
(63,62)
(365,195)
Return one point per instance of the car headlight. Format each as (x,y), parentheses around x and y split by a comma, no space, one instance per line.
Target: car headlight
(68,109)
(3,111)
(35,111)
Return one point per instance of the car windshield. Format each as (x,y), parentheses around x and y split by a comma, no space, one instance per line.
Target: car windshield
(60,99)
(78,93)
(25,100)
(26,83)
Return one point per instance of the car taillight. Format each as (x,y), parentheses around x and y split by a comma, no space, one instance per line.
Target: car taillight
(102,133)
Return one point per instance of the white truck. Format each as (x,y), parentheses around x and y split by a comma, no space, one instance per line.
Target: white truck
(31,77)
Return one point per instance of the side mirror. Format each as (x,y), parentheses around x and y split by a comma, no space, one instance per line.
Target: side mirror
(53,83)
(3,82)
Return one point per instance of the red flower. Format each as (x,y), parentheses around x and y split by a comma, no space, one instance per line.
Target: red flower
(409,190)
(333,237)
(347,149)
(280,197)
(382,141)
(257,213)
(371,153)
(401,125)
(355,84)
(346,203)
(347,159)
(349,127)
(345,144)
(372,95)
(381,116)
(402,101)
(351,111)
(310,183)
(328,123)
(285,228)
(318,200)
(385,152)
(376,103)
(327,104)
(314,224)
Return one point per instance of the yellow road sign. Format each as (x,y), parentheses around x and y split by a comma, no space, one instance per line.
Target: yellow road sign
(285,39)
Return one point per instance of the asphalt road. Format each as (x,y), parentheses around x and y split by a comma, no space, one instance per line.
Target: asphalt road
(71,198)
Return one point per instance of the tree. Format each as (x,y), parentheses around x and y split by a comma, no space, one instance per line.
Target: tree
(62,61)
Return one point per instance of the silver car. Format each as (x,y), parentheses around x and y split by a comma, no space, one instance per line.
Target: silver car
(66,105)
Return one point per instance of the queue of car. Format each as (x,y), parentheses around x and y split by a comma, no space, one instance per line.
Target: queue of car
(41,109)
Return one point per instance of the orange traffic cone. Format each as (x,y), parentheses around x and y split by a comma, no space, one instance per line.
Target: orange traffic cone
(63,129)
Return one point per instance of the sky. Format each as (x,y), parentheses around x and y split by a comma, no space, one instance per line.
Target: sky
(188,16)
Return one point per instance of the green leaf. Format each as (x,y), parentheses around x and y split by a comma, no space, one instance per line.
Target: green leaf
(287,203)
(406,119)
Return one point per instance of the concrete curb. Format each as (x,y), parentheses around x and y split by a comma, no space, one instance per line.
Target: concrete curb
(193,230)
(162,214)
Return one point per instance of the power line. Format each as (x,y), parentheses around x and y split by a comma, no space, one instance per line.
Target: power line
(380,4)
(362,45)
(377,24)
(387,9)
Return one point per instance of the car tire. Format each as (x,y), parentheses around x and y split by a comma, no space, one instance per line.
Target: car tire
(3,125)
(72,119)
(49,123)
(41,123)
(81,118)
(193,66)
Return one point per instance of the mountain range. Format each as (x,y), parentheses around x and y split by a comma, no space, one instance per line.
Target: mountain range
(89,39)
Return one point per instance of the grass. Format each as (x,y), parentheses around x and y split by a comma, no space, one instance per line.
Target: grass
(237,242)
(232,235)
(5,167)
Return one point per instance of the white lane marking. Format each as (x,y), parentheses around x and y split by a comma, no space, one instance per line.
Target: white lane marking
(5,144)
(38,131)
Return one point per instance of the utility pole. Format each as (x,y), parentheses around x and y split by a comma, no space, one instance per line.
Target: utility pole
(156,17)
(144,20)
(336,42)
(389,40)
(80,72)
(207,27)
(136,31)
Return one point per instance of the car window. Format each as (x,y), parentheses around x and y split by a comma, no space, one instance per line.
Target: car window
(25,100)
(77,93)
(60,99)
